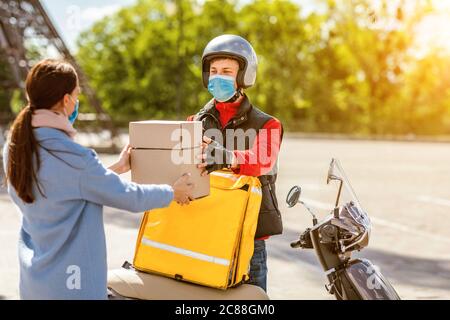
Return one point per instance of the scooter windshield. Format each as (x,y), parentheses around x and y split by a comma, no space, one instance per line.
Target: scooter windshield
(347,195)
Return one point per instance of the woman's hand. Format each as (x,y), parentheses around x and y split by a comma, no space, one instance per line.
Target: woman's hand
(123,164)
(182,189)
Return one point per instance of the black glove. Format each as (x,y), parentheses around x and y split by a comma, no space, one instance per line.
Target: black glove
(217,157)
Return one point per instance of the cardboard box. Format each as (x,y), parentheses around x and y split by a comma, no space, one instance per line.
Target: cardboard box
(155,134)
(163,150)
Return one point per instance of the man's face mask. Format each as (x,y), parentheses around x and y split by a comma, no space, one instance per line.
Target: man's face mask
(221,87)
(74,114)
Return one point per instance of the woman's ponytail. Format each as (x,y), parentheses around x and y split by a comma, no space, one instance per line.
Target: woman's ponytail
(22,151)
(47,83)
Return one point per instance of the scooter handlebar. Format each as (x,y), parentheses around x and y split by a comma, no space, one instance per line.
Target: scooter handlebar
(296,244)
(304,242)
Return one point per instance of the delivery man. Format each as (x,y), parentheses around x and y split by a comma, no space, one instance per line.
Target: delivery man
(229,65)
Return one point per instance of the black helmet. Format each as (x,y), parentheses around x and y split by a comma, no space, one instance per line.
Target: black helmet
(235,47)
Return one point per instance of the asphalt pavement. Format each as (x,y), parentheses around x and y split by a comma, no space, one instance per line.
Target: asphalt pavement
(404,186)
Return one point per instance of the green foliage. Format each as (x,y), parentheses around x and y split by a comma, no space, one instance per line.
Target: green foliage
(5,94)
(348,68)
(150,55)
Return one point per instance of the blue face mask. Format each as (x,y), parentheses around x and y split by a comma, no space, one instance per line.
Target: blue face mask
(74,114)
(221,87)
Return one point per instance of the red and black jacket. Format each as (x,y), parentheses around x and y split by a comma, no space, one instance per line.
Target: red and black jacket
(245,116)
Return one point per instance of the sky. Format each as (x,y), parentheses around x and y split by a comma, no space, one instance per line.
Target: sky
(435,29)
(73,16)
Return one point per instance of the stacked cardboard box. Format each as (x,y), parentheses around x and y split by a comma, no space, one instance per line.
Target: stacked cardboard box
(163,150)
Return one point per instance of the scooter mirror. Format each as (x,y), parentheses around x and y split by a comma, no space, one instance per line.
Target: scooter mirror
(330,175)
(293,196)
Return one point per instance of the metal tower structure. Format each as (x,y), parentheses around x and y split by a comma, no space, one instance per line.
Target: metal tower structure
(22,20)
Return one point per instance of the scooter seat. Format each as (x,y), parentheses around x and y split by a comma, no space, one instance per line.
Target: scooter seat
(133,284)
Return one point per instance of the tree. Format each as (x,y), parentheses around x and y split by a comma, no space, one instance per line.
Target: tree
(348,68)
(150,57)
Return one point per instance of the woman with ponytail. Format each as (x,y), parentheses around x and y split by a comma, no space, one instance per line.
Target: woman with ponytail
(60,188)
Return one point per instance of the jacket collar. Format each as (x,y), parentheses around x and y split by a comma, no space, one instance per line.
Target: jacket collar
(46,133)
(240,116)
(52,119)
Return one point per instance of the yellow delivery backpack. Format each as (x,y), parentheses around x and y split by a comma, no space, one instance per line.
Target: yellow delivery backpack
(208,242)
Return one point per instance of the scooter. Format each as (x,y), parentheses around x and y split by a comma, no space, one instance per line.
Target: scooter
(334,239)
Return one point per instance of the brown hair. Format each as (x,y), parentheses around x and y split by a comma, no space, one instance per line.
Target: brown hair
(218,58)
(47,83)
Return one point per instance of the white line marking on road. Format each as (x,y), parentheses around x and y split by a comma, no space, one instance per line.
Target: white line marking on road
(381,222)
(434,200)
(406,229)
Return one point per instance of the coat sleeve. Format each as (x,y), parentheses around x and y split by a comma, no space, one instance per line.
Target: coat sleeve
(101,185)
(262,156)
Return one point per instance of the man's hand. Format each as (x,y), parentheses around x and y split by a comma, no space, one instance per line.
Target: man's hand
(202,157)
(215,157)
